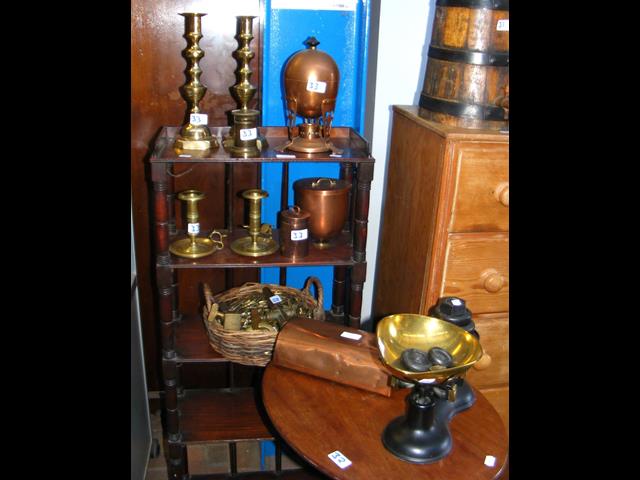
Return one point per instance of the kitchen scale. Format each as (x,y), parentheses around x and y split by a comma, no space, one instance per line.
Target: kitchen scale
(433,355)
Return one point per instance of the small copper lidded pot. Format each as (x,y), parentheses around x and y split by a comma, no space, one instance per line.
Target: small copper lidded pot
(294,233)
(326,200)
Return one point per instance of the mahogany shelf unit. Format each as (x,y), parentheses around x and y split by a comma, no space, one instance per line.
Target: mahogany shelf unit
(234,413)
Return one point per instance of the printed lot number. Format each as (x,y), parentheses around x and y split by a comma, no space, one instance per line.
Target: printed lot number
(339,459)
(275,299)
(299,234)
(248,133)
(198,118)
(318,87)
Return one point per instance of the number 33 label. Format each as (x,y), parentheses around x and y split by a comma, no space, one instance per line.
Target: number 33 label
(318,87)
(339,459)
(299,234)
(198,118)
(248,133)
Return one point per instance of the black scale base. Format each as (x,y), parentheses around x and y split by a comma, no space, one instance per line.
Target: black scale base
(422,435)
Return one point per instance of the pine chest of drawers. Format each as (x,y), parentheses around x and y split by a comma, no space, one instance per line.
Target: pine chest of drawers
(445,232)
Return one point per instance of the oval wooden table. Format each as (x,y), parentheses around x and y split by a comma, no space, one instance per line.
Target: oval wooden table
(316,417)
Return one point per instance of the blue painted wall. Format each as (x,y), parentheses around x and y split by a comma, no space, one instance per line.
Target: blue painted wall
(344,36)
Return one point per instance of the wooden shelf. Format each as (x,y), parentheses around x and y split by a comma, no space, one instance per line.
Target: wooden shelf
(192,342)
(354,148)
(221,415)
(340,253)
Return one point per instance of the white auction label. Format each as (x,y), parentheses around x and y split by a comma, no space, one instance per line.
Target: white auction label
(490,461)
(193,228)
(351,336)
(284,155)
(198,118)
(503,25)
(299,234)
(339,459)
(456,302)
(316,86)
(248,133)
(275,299)
(344,5)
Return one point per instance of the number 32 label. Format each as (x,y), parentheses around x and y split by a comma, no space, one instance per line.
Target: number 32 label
(339,459)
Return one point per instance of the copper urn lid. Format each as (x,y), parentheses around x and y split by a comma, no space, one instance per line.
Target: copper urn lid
(311,77)
(322,186)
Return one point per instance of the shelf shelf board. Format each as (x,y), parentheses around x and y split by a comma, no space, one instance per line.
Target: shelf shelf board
(355,149)
(340,253)
(221,415)
(192,342)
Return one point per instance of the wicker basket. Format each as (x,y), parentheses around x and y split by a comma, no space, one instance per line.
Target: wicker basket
(254,347)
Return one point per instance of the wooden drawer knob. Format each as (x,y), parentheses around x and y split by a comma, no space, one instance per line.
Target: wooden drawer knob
(484,362)
(502,193)
(492,280)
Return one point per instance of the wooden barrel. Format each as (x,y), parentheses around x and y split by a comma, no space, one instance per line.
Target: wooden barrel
(467,79)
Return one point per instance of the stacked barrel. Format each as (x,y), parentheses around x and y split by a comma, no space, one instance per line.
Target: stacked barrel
(467,79)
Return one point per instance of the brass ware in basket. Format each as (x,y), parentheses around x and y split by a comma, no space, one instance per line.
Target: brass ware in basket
(251,346)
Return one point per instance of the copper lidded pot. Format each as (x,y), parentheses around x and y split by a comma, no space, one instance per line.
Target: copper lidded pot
(327,201)
(294,233)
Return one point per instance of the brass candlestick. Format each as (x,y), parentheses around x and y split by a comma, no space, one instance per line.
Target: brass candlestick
(243,138)
(259,242)
(195,246)
(195,135)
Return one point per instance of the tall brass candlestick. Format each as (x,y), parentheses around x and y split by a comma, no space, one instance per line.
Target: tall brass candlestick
(195,246)
(194,135)
(243,138)
(260,241)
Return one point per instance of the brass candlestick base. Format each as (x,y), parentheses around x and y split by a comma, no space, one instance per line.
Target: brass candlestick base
(259,242)
(194,246)
(244,141)
(247,247)
(195,135)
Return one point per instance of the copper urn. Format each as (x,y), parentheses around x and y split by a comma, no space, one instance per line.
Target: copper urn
(327,201)
(311,79)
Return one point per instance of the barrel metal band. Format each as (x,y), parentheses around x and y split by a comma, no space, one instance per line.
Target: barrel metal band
(458,109)
(490,4)
(467,56)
